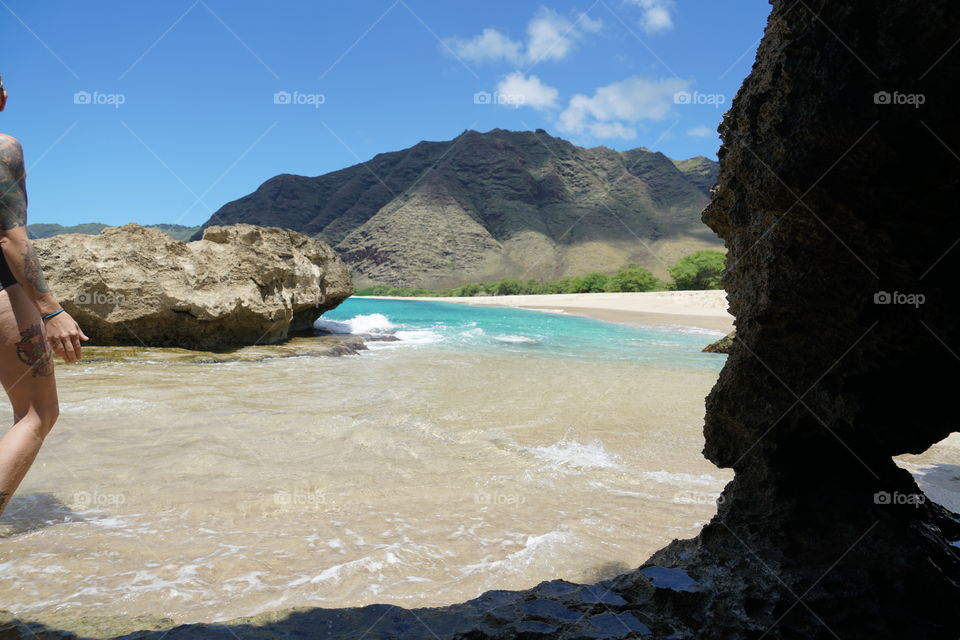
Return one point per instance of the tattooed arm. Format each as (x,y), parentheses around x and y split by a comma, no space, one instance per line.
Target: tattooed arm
(62,331)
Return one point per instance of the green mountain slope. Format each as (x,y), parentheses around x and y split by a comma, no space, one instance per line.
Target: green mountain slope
(491,205)
(46,230)
(700,171)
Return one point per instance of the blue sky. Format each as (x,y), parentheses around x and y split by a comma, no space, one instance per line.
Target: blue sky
(163,111)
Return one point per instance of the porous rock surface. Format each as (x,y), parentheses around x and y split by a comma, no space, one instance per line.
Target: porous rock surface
(837,201)
(239,285)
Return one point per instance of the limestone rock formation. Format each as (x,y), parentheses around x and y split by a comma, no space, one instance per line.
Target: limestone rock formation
(240,285)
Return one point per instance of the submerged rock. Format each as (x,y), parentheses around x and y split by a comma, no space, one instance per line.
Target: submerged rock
(723,345)
(239,285)
(298,346)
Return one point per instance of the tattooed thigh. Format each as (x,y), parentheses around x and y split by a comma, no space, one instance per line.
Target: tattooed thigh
(34,350)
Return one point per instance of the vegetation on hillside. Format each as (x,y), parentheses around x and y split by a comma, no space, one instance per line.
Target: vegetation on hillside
(47,230)
(700,270)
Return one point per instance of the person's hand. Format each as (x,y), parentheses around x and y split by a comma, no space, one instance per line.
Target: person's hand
(65,335)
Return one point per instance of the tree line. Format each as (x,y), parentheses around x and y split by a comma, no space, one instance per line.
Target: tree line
(700,270)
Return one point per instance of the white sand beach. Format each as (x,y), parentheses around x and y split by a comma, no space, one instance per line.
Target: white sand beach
(706,309)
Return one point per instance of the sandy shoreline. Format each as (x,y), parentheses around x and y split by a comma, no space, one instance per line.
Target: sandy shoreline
(704,309)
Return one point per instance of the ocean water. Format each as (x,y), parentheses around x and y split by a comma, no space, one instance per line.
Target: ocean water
(524,332)
(485,449)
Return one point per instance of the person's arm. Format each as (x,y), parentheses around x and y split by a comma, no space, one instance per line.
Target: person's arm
(63,332)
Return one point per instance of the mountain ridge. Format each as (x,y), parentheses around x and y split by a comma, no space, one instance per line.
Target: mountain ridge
(489,205)
(50,229)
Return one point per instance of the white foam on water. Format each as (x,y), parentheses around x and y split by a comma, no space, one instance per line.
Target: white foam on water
(370,323)
(109,403)
(515,339)
(335,572)
(536,547)
(686,329)
(247,582)
(680,479)
(570,453)
(379,324)
(422,336)
(557,311)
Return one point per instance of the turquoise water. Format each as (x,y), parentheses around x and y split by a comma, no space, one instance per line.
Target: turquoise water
(535,333)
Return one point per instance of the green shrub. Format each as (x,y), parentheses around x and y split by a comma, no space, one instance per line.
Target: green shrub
(700,270)
(591,283)
(633,277)
(508,287)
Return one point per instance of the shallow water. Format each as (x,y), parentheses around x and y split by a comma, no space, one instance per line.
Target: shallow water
(423,472)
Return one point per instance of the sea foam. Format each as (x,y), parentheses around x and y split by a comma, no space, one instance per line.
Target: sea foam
(570,453)
(371,323)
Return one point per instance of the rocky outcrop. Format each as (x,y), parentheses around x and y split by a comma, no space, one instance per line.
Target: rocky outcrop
(239,285)
(723,345)
(837,198)
(484,206)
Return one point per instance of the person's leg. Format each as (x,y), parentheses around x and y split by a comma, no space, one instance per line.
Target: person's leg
(26,371)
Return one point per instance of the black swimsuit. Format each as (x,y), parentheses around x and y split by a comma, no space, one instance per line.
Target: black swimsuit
(6,276)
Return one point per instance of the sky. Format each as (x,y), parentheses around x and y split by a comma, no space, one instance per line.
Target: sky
(155,112)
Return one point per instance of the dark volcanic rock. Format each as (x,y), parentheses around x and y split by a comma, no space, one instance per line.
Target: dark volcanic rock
(829,195)
(723,345)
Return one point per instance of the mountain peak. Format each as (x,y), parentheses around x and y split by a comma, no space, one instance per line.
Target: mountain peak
(493,204)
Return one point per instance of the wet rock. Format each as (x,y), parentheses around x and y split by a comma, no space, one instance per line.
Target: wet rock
(549,610)
(611,625)
(239,285)
(664,578)
(319,345)
(723,345)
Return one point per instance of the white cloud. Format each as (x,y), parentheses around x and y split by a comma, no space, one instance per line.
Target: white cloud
(701,131)
(489,45)
(550,36)
(519,89)
(656,14)
(608,113)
